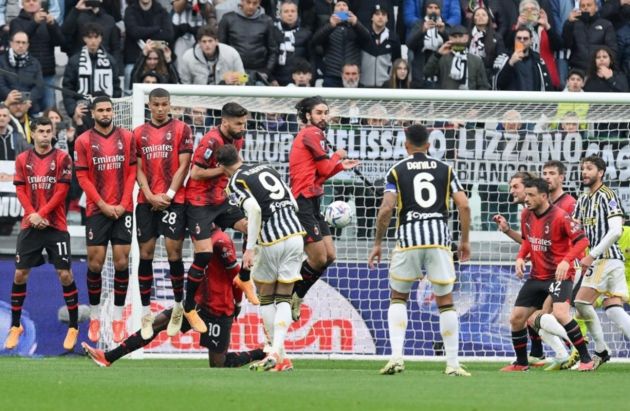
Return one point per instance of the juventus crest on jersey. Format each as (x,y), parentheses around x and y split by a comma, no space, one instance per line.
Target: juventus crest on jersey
(278,207)
(423,186)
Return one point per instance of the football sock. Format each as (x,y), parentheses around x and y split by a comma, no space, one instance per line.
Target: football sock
(282,321)
(587,312)
(94,283)
(577,339)
(18,294)
(536,348)
(582,325)
(550,324)
(554,342)
(449,328)
(145,281)
(131,344)
(519,341)
(71,295)
(195,275)
(121,283)
(238,359)
(268,314)
(617,315)
(397,321)
(309,277)
(177,279)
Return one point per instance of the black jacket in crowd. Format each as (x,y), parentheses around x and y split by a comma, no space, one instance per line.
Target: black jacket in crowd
(341,44)
(154,24)
(42,37)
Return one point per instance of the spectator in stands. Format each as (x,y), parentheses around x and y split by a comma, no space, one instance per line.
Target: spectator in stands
(80,15)
(64,133)
(506,13)
(111,7)
(151,77)
(584,32)
(293,42)
(455,68)
(252,33)
(574,84)
(416,11)
(144,20)
(12,143)
(92,70)
(425,38)
(380,52)
(400,77)
(22,72)
(200,123)
(559,13)
(210,62)
(470,6)
(485,42)
(618,12)
(156,57)
(524,70)
(44,34)
(364,9)
(603,73)
(20,119)
(187,17)
(341,40)
(301,74)
(351,76)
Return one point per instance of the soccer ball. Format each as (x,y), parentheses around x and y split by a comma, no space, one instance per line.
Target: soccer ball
(338,214)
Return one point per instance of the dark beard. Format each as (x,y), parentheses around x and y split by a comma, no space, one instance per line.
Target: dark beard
(322,125)
(104,123)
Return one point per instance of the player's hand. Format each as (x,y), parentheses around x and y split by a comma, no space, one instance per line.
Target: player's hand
(120,210)
(36,221)
(516,57)
(108,210)
(248,259)
(341,153)
(375,256)
(561,270)
(520,267)
(586,263)
(501,223)
(349,164)
(159,201)
(464,251)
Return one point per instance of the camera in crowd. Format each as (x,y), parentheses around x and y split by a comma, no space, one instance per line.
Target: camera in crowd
(433,17)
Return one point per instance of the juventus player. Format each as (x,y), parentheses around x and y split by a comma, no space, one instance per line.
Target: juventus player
(600,213)
(421,187)
(42,179)
(309,168)
(273,227)
(106,170)
(206,199)
(164,147)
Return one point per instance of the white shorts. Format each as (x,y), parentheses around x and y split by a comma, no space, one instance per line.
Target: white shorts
(608,277)
(279,262)
(407,265)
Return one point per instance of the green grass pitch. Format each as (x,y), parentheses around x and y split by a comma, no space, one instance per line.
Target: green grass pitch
(322,385)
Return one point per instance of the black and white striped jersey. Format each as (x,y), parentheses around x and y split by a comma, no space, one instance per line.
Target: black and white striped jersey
(423,186)
(593,210)
(278,207)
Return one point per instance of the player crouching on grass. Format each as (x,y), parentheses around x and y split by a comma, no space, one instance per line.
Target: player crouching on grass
(42,179)
(275,232)
(218,303)
(553,241)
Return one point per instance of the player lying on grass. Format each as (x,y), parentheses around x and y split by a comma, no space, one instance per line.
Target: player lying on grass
(217,305)
(552,240)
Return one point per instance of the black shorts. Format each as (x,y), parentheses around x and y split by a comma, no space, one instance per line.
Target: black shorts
(171,222)
(100,230)
(533,293)
(200,218)
(561,291)
(312,219)
(31,242)
(217,338)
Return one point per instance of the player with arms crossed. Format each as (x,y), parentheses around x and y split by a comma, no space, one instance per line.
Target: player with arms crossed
(207,202)
(600,213)
(164,147)
(217,305)
(309,168)
(275,230)
(42,179)
(106,170)
(422,188)
(553,241)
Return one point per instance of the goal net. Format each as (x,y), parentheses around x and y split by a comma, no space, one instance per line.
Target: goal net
(486,136)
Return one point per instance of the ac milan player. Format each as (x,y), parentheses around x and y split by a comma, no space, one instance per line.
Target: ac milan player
(553,241)
(164,147)
(106,170)
(217,303)
(309,168)
(42,179)
(206,201)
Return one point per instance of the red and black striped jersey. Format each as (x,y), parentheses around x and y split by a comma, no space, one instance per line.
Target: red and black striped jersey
(38,178)
(159,148)
(105,166)
(210,191)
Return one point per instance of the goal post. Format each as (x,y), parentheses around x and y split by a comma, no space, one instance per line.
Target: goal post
(486,136)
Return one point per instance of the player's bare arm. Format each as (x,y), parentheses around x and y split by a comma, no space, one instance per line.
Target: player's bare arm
(382,223)
(199,173)
(178,177)
(461,202)
(505,228)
